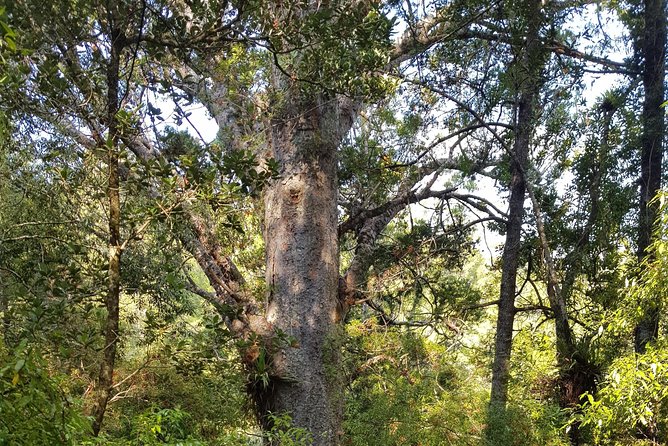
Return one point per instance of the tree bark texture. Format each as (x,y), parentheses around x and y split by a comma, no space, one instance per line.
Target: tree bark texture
(104,385)
(300,228)
(531,62)
(653,49)
(510,263)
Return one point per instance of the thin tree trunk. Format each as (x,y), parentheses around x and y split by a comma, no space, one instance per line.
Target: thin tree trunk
(510,263)
(531,63)
(654,56)
(557,302)
(574,369)
(577,374)
(104,385)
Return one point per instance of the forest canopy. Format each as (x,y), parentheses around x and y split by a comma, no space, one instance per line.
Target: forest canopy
(297,222)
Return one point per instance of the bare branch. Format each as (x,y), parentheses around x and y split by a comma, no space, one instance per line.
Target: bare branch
(561,48)
(430,31)
(400,201)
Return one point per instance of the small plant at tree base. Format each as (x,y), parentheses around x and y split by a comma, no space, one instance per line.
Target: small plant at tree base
(283,433)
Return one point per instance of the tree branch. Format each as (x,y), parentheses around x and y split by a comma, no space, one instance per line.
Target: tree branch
(428,32)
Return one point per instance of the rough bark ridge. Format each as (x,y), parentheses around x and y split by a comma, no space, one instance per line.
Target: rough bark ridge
(654,56)
(531,62)
(302,274)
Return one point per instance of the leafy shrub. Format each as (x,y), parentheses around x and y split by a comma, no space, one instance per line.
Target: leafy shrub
(33,409)
(405,390)
(630,407)
(285,434)
(164,426)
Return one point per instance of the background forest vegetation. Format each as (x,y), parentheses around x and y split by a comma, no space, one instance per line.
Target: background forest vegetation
(342,222)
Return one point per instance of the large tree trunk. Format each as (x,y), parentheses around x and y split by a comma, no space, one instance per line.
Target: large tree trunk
(300,228)
(654,56)
(104,385)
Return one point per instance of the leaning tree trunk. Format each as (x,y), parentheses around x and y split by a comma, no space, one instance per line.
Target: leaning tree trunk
(654,56)
(528,72)
(577,372)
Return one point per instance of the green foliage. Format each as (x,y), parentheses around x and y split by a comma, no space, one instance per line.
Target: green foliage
(630,406)
(424,274)
(406,390)
(338,49)
(283,432)
(533,414)
(7,37)
(187,379)
(164,426)
(417,359)
(259,354)
(34,408)
(527,423)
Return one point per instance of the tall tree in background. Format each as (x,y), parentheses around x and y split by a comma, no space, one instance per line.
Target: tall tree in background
(529,63)
(116,39)
(652,46)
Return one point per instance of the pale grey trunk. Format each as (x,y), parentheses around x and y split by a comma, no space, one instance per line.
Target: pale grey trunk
(300,229)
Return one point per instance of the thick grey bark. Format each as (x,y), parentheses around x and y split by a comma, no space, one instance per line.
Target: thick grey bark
(653,47)
(301,236)
(300,228)
(531,62)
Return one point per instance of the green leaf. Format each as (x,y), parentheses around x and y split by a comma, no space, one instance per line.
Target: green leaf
(19,364)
